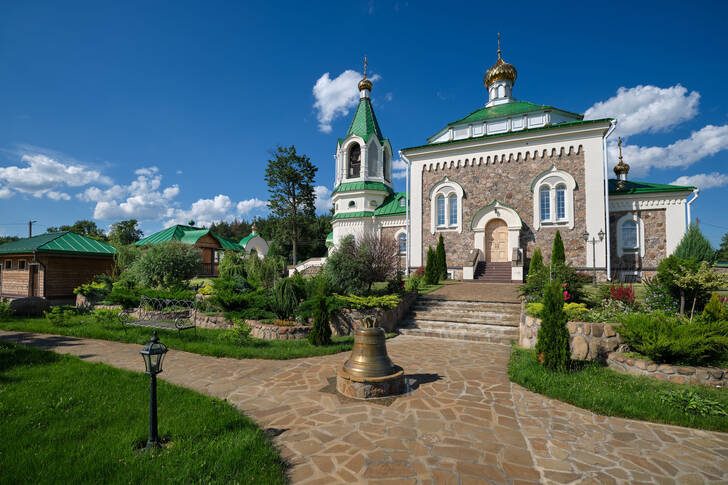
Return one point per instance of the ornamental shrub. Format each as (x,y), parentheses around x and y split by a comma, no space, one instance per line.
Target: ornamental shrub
(553,336)
(5,311)
(343,269)
(715,309)
(414,282)
(574,311)
(232,265)
(285,300)
(166,265)
(263,273)
(557,253)
(395,284)
(432,269)
(385,302)
(536,263)
(695,246)
(95,290)
(106,317)
(659,297)
(441,259)
(623,293)
(321,307)
(536,281)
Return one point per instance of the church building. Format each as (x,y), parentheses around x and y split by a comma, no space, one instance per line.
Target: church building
(498,183)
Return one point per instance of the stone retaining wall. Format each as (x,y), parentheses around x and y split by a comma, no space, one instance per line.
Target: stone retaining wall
(267,331)
(707,376)
(347,320)
(588,341)
(213,321)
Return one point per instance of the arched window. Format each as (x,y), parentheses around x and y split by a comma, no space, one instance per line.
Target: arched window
(387,169)
(553,199)
(453,209)
(629,235)
(352,204)
(354,161)
(402,241)
(441,211)
(561,202)
(545,195)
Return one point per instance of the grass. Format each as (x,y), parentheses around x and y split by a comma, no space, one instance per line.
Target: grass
(68,421)
(597,388)
(206,342)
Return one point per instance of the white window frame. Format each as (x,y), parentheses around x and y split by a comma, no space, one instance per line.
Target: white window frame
(621,250)
(445,188)
(551,179)
(397,238)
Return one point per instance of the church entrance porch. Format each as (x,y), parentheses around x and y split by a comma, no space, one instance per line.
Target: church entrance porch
(496,253)
(496,241)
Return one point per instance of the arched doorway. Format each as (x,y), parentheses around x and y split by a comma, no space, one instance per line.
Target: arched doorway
(496,241)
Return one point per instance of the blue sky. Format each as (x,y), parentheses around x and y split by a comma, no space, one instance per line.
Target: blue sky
(168,111)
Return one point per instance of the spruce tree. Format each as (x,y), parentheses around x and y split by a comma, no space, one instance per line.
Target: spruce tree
(536,263)
(722,255)
(432,275)
(557,253)
(441,259)
(695,246)
(553,336)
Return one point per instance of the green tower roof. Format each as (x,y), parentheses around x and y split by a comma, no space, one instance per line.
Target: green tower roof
(365,122)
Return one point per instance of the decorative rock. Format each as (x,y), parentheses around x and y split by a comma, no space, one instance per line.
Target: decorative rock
(686,371)
(709,376)
(609,330)
(677,379)
(579,348)
(596,330)
(665,369)
(651,367)
(640,364)
(716,373)
(594,349)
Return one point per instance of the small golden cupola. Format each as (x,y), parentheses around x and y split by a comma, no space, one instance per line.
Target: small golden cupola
(621,169)
(499,80)
(365,85)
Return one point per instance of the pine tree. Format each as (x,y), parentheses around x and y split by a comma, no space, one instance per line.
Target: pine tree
(536,263)
(722,255)
(432,275)
(557,253)
(695,246)
(441,258)
(553,336)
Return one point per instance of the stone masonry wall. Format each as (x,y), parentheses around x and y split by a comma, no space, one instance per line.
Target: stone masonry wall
(707,376)
(266,331)
(588,341)
(510,183)
(655,242)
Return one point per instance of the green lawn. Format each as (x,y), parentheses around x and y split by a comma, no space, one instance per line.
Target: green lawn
(604,391)
(68,421)
(206,342)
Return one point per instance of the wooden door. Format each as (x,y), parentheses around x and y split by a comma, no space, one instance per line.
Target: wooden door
(496,241)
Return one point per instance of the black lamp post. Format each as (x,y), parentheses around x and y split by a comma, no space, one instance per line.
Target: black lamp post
(153,354)
(593,242)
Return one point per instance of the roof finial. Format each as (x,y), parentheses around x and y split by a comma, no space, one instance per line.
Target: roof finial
(499,49)
(620,148)
(365,84)
(621,169)
(365,67)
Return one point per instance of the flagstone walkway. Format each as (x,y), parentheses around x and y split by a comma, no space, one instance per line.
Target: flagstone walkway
(463,423)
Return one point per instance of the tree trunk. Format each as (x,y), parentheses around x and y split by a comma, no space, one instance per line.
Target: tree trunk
(682,302)
(692,311)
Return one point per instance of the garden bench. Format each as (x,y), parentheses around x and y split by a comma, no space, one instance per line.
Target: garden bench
(161,313)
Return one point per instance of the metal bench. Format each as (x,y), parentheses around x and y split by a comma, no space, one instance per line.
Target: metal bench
(161,313)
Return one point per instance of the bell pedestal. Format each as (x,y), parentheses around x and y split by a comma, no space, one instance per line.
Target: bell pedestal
(369,373)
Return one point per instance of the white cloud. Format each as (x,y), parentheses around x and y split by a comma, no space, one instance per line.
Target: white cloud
(44,175)
(336,97)
(647,109)
(247,206)
(399,169)
(705,142)
(703,180)
(5,193)
(323,199)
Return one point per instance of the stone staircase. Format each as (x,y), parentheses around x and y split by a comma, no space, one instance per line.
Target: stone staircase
(493,272)
(492,322)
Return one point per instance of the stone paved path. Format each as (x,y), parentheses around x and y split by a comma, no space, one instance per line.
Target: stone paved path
(467,291)
(464,423)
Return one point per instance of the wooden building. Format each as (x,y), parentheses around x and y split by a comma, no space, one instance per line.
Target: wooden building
(51,265)
(211,246)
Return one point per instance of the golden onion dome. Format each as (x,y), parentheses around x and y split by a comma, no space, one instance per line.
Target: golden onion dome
(500,70)
(621,168)
(365,84)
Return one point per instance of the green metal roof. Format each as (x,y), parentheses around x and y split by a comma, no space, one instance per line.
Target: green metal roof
(187,235)
(58,242)
(392,205)
(565,124)
(508,109)
(244,241)
(366,185)
(353,215)
(330,238)
(621,187)
(364,123)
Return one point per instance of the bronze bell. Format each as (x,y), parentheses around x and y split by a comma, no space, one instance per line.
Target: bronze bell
(369,355)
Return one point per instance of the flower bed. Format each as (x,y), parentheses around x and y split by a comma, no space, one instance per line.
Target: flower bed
(707,376)
(268,331)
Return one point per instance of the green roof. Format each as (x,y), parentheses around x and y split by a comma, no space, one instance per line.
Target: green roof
(367,185)
(187,235)
(619,187)
(58,242)
(508,109)
(330,238)
(364,123)
(244,241)
(392,206)
(353,215)
(565,124)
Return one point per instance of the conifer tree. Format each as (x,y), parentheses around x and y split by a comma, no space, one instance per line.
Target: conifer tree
(441,259)
(536,263)
(553,336)
(722,255)
(557,253)
(432,275)
(695,246)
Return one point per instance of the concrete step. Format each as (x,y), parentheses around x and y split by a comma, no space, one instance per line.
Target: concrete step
(470,322)
(468,317)
(431,303)
(484,333)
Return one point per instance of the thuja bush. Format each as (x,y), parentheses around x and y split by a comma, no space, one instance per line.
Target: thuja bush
(715,310)
(321,307)
(285,300)
(441,259)
(558,256)
(432,269)
(553,336)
